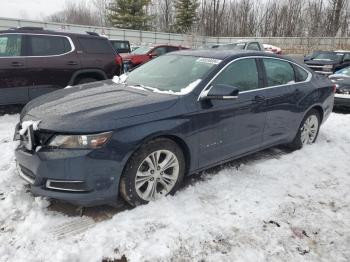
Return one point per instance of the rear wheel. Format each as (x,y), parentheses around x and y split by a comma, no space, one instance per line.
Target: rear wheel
(308,131)
(154,171)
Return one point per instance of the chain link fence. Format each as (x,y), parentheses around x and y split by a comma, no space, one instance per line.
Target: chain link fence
(294,45)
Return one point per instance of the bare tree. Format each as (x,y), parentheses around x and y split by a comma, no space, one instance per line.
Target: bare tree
(76,13)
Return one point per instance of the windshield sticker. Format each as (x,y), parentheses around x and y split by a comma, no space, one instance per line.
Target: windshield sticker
(208,61)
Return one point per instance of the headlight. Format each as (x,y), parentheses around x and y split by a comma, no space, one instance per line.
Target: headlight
(80,141)
(328,67)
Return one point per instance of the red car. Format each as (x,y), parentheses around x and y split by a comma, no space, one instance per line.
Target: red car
(145,53)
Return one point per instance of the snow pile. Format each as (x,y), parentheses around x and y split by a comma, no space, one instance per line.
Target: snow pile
(272,206)
(27,124)
(183,91)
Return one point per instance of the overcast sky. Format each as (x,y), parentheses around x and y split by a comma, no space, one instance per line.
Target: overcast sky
(29,9)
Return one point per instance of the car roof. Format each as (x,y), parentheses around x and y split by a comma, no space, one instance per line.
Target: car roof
(223,54)
(333,52)
(49,32)
(118,40)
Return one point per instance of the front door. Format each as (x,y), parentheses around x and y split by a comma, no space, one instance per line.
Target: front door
(14,78)
(229,128)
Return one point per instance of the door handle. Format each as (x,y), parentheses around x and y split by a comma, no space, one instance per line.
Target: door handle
(72,63)
(17,64)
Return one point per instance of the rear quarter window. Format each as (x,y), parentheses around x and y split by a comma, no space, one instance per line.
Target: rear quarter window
(300,74)
(278,72)
(95,45)
(46,45)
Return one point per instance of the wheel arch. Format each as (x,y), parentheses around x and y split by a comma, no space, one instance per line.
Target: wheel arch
(320,110)
(176,139)
(93,73)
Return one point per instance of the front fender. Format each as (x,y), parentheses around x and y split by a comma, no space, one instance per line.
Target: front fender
(128,140)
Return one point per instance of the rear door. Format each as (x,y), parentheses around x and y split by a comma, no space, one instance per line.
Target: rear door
(14,77)
(284,88)
(52,61)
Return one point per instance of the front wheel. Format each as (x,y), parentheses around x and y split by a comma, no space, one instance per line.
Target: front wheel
(154,171)
(308,131)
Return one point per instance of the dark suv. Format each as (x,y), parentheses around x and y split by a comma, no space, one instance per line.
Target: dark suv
(35,61)
(328,62)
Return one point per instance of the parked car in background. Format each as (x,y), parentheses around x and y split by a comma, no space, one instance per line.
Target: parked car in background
(328,62)
(174,116)
(35,61)
(312,55)
(341,79)
(241,45)
(134,47)
(145,53)
(272,49)
(121,46)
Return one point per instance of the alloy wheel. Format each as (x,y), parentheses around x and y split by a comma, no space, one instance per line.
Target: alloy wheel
(309,130)
(157,175)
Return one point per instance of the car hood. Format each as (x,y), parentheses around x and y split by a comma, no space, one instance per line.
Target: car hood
(130,56)
(94,107)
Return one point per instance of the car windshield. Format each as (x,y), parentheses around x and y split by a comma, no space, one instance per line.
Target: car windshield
(236,46)
(329,56)
(120,45)
(142,50)
(344,72)
(176,74)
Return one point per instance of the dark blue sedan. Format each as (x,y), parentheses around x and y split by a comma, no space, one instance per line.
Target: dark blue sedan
(138,136)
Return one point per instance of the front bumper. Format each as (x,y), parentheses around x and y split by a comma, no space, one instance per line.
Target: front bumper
(98,177)
(342,100)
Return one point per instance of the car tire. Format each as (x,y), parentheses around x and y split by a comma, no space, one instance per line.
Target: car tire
(308,130)
(86,80)
(143,181)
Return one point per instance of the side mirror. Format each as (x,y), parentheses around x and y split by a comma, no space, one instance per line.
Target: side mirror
(220,92)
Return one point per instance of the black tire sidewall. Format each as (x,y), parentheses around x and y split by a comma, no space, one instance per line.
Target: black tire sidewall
(297,144)
(127,182)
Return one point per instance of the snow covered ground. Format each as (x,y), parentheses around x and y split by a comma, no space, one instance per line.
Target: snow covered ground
(273,206)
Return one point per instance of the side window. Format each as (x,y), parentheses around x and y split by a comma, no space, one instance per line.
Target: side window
(242,74)
(253,46)
(10,45)
(45,45)
(300,74)
(278,72)
(95,45)
(160,50)
(172,48)
(346,58)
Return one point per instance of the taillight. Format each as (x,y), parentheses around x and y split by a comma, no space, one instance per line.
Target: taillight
(334,88)
(118,60)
